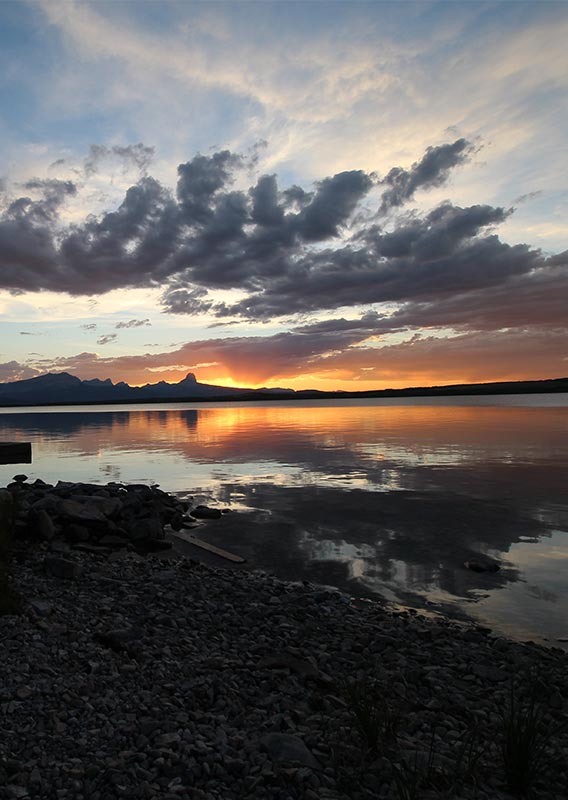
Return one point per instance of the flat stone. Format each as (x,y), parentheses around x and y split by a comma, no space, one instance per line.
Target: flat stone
(78,512)
(285,660)
(62,567)
(117,639)
(108,506)
(41,608)
(287,747)
(204,512)
(489,673)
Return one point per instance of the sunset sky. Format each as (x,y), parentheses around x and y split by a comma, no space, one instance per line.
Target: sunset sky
(298,194)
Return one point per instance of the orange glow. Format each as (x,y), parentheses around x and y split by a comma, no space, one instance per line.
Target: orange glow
(290,361)
(217,433)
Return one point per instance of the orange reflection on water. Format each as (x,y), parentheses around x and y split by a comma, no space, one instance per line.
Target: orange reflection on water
(276,431)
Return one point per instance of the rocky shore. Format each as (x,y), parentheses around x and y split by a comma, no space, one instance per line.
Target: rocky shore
(127,675)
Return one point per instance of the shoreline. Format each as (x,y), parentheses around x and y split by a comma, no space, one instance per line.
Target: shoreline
(151,677)
(142,676)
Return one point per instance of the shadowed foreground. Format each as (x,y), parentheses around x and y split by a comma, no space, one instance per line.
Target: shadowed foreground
(142,677)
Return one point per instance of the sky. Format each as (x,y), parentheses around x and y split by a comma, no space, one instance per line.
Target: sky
(312,194)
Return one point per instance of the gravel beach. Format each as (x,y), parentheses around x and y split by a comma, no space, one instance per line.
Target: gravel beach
(137,676)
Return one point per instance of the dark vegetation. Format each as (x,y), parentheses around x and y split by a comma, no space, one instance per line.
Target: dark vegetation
(522,754)
(9,603)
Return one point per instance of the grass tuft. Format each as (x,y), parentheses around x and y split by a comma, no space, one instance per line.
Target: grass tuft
(376,719)
(526,736)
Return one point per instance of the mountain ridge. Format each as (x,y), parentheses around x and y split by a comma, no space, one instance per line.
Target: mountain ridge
(62,388)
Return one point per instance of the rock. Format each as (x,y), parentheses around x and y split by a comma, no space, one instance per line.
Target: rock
(298,665)
(204,512)
(108,506)
(113,540)
(35,776)
(287,747)
(86,547)
(176,521)
(489,673)
(147,528)
(61,567)
(15,791)
(41,608)
(40,525)
(6,502)
(117,639)
(79,512)
(76,533)
(20,478)
(153,546)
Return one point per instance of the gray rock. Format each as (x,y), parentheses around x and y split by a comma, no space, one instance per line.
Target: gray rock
(82,513)
(489,673)
(41,608)
(285,660)
(204,512)
(76,533)
(147,528)
(61,567)
(40,525)
(108,506)
(118,639)
(113,540)
(287,747)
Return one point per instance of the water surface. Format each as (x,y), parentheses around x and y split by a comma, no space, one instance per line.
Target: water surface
(383,498)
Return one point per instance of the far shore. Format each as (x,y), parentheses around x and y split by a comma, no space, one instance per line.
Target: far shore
(548,386)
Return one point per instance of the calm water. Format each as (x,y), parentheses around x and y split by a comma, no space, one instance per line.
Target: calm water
(380,498)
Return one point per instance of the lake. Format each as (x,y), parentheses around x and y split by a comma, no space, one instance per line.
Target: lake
(381,498)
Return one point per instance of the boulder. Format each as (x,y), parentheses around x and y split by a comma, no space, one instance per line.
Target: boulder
(146,528)
(61,567)
(40,525)
(204,512)
(82,513)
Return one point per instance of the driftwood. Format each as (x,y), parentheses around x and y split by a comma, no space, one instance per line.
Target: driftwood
(211,548)
(15,453)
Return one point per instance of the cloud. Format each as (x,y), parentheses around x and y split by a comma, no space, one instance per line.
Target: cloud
(111,337)
(134,323)
(13,371)
(439,255)
(138,155)
(288,251)
(89,326)
(431,171)
(186,301)
(339,350)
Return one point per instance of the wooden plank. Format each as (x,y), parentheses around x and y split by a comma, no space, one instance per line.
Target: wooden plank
(211,548)
(15,453)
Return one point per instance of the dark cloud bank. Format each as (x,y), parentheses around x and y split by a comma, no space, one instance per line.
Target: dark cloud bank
(346,243)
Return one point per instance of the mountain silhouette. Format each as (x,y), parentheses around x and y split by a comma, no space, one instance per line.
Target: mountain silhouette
(63,388)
